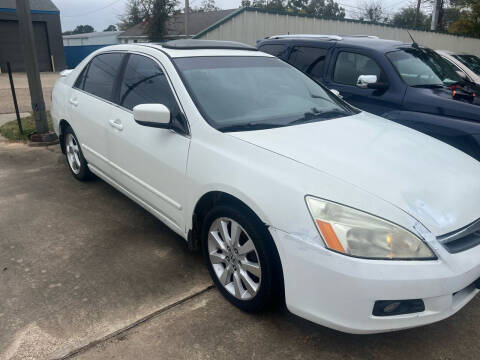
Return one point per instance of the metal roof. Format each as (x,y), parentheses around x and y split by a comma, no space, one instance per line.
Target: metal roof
(39,5)
(92,35)
(197,22)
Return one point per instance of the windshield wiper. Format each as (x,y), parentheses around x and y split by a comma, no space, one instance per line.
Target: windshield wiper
(429,86)
(248,126)
(322,115)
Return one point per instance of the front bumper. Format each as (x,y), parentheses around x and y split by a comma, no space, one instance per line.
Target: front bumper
(339,291)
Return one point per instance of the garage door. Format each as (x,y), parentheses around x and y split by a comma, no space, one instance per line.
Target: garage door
(12,49)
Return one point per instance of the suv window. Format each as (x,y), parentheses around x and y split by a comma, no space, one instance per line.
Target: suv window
(274,49)
(310,60)
(101,75)
(350,66)
(145,83)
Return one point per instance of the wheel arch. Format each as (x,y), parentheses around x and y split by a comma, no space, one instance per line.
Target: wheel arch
(62,125)
(212,198)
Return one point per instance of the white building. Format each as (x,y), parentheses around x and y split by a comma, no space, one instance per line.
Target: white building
(93,38)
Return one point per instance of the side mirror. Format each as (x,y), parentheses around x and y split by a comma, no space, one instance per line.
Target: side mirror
(153,115)
(365,80)
(370,82)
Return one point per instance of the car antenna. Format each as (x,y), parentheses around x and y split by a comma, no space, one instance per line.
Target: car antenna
(414,44)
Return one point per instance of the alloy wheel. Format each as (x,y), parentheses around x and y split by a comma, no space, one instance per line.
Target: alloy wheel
(234,258)
(73,153)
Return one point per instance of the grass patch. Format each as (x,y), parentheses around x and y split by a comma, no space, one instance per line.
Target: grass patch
(11,132)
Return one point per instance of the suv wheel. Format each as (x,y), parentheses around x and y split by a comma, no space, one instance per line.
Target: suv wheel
(240,258)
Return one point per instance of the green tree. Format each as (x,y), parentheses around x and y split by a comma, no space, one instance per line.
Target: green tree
(83,29)
(406,18)
(468,23)
(326,8)
(208,5)
(161,11)
(298,6)
(137,11)
(373,11)
(111,28)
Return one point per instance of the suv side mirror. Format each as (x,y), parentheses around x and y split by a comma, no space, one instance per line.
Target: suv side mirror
(153,115)
(370,82)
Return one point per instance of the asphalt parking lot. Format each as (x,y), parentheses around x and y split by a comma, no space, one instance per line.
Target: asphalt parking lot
(86,273)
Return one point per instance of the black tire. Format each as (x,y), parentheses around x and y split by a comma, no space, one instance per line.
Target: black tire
(270,291)
(82,172)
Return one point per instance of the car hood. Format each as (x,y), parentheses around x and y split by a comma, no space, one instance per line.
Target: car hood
(432,181)
(439,101)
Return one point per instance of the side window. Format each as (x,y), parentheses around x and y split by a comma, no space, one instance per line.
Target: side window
(145,83)
(79,83)
(101,75)
(350,66)
(310,60)
(274,49)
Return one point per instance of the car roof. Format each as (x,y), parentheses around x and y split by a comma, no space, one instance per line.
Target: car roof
(359,41)
(448,52)
(191,48)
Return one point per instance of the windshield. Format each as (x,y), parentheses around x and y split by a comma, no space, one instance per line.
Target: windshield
(470,61)
(236,93)
(423,67)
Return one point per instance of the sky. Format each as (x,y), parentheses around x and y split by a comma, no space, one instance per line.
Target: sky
(101,13)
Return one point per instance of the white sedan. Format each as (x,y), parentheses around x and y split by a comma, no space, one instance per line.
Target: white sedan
(359,223)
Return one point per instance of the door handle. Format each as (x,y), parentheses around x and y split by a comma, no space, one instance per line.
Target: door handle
(74,102)
(117,124)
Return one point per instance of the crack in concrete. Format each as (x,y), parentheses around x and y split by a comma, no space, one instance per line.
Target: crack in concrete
(144,319)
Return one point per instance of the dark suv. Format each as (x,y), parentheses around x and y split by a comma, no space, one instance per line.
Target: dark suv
(406,83)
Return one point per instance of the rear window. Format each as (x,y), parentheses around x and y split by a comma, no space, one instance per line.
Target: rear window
(102,74)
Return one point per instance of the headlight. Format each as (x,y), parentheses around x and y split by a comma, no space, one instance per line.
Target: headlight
(352,232)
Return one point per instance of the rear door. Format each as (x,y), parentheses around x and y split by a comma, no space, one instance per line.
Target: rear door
(343,73)
(90,106)
(149,162)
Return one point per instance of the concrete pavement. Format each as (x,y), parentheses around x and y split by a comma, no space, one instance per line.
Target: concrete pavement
(23,94)
(86,273)
(78,261)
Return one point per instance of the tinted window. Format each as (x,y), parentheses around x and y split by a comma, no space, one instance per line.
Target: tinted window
(237,93)
(350,66)
(470,61)
(145,83)
(310,60)
(274,49)
(81,79)
(101,75)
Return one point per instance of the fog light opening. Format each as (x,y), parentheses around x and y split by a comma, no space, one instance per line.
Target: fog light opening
(397,307)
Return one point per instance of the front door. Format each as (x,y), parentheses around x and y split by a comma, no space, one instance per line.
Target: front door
(343,74)
(149,162)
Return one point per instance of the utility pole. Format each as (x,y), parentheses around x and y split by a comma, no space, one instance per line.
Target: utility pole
(31,64)
(435,14)
(187,7)
(415,24)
